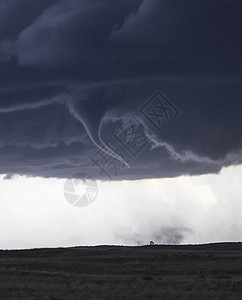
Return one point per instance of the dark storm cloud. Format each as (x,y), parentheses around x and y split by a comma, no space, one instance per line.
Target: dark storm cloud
(74,72)
(17,15)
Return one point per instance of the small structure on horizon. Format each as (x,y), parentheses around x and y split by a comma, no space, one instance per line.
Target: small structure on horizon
(152,243)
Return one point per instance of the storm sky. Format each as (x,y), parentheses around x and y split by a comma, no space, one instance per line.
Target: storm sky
(74,73)
(120,90)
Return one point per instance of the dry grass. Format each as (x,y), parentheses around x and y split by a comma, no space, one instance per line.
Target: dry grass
(152,272)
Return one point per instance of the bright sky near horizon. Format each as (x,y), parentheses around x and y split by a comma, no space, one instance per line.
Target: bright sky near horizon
(199,209)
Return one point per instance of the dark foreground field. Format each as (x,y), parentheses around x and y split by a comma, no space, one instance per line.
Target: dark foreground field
(107,272)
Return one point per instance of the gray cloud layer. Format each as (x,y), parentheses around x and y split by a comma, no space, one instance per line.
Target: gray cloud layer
(74,72)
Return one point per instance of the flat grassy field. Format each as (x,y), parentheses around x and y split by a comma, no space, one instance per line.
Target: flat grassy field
(212,271)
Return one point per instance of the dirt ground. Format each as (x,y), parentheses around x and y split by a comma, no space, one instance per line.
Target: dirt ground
(211,271)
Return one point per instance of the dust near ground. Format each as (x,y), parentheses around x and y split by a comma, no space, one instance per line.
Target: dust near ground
(212,271)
